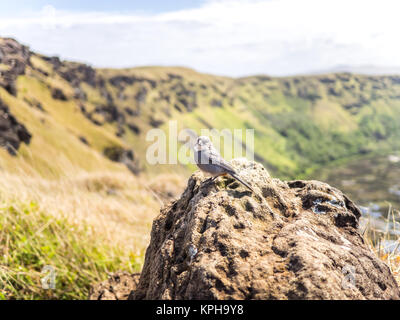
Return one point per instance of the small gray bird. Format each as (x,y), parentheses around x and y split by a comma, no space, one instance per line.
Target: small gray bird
(210,161)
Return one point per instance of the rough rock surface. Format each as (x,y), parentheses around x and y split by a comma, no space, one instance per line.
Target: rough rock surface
(296,240)
(117,287)
(12,133)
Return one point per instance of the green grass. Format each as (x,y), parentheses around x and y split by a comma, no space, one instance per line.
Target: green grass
(31,239)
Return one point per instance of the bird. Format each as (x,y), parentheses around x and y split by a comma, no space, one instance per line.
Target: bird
(209,160)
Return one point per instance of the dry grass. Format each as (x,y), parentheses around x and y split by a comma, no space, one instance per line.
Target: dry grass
(379,234)
(85,225)
(117,205)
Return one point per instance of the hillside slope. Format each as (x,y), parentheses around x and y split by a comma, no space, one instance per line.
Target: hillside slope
(87,117)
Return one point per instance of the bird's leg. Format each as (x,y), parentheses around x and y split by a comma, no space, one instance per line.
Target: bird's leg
(217,176)
(211,179)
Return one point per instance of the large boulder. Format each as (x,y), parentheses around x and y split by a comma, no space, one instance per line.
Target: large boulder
(294,240)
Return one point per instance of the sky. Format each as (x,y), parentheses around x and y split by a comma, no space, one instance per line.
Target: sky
(224,37)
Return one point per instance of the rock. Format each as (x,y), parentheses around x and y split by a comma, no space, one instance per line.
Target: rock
(133,127)
(216,103)
(131,112)
(334,92)
(155,123)
(118,154)
(110,113)
(79,94)
(123,81)
(84,140)
(125,156)
(58,94)
(328,79)
(117,287)
(75,73)
(106,95)
(55,61)
(15,57)
(120,131)
(12,132)
(188,100)
(172,76)
(141,95)
(295,240)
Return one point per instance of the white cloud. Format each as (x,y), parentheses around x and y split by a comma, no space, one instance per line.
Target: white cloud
(223,37)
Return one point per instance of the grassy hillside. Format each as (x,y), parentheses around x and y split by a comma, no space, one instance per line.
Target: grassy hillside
(300,122)
(83,115)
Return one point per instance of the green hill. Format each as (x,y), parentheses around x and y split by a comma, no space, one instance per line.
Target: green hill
(88,117)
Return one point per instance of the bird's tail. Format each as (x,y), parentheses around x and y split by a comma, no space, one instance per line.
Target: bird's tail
(236,176)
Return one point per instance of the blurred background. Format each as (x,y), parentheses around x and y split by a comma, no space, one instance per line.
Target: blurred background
(82,83)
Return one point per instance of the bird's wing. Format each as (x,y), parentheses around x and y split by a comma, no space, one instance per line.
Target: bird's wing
(216,159)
